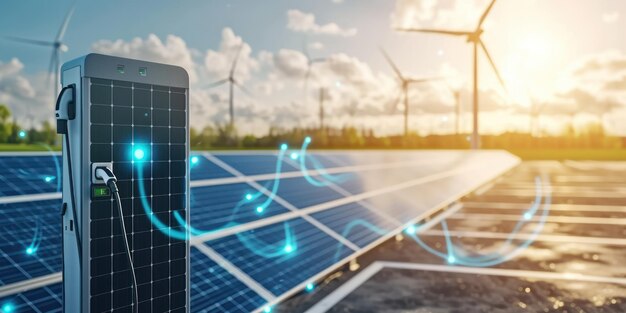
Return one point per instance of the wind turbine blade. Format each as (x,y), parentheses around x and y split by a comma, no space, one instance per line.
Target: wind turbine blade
(436,31)
(425,80)
(217,83)
(305,50)
(30,41)
(317,60)
(66,22)
(244,89)
(234,66)
(393,65)
(51,69)
(493,65)
(484,16)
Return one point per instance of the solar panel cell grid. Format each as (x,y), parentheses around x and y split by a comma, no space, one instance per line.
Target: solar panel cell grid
(150,157)
(254,164)
(46,299)
(222,206)
(30,244)
(22,175)
(213,289)
(278,261)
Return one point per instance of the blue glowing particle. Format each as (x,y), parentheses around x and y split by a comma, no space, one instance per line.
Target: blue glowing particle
(267,309)
(7,308)
(139,154)
(194,160)
(294,156)
(288,248)
(260,209)
(410,230)
(451,259)
(48,179)
(248,197)
(22,134)
(310,287)
(284,146)
(527,215)
(307,139)
(30,250)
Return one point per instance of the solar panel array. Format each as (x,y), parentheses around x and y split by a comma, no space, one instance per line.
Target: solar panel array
(243,260)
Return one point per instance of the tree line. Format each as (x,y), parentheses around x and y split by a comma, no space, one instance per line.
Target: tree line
(12,132)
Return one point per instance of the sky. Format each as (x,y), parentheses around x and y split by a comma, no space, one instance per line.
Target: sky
(565,59)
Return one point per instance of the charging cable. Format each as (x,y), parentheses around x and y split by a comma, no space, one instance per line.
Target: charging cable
(110,180)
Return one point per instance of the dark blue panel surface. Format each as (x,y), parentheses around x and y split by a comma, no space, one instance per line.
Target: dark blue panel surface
(214,207)
(205,169)
(254,164)
(21,175)
(356,223)
(213,289)
(302,194)
(46,299)
(19,223)
(312,252)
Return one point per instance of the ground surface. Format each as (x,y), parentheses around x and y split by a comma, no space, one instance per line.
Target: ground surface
(576,264)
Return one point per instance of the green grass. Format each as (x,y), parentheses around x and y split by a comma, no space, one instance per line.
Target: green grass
(24,147)
(571,154)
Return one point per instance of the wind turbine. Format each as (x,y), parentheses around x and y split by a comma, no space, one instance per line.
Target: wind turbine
(405,82)
(57,47)
(310,62)
(473,37)
(232,83)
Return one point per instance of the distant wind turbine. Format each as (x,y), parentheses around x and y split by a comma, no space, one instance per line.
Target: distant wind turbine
(57,47)
(405,82)
(233,82)
(473,37)
(310,62)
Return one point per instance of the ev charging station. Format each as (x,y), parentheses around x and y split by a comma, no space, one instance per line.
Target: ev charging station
(125,152)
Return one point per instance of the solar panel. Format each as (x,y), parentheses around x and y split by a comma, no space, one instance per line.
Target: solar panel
(46,299)
(31,174)
(29,240)
(255,264)
(213,289)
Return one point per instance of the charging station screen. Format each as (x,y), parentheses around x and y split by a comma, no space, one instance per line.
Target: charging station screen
(141,131)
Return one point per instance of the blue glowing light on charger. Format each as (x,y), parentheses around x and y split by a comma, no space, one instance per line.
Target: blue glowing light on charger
(139,154)
(7,308)
(194,159)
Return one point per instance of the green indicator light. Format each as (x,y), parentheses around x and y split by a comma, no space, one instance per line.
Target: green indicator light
(101,191)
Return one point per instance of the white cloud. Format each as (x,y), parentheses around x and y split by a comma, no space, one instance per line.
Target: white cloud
(29,97)
(299,21)
(218,63)
(610,17)
(316,45)
(173,51)
(460,14)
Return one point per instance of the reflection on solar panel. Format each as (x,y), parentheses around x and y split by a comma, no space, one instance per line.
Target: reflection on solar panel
(244,260)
